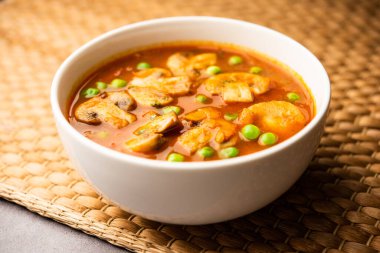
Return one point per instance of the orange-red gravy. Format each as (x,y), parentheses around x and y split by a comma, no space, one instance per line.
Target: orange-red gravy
(124,68)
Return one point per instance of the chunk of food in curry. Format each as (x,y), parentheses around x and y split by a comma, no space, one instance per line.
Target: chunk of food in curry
(215,132)
(159,124)
(280,117)
(203,113)
(194,139)
(236,92)
(111,108)
(148,103)
(145,142)
(161,80)
(191,65)
(256,83)
(149,96)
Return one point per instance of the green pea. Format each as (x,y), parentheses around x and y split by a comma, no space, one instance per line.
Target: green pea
(267,139)
(101,85)
(143,65)
(229,152)
(292,96)
(118,83)
(90,92)
(213,70)
(255,70)
(206,152)
(250,132)
(175,157)
(235,60)
(172,108)
(201,98)
(230,116)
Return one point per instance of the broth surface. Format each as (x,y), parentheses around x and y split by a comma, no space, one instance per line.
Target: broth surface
(282,82)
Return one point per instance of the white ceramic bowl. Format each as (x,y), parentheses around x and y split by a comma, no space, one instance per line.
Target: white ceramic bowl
(196,192)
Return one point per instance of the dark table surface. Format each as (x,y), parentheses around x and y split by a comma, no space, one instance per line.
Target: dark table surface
(23,231)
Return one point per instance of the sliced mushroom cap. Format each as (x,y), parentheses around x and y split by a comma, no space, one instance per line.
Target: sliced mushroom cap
(280,117)
(150,115)
(177,86)
(258,84)
(193,66)
(149,77)
(246,117)
(212,129)
(146,82)
(145,142)
(225,129)
(87,113)
(149,96)
(97,110)
(177,64)
(194,139)
(121,99)
(202,61)
(159,80)
(229,143)
(160,124)
(203,113)
(236,92)
(113,115)
(219,133)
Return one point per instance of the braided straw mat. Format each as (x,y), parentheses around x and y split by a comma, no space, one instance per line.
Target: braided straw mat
(334,207)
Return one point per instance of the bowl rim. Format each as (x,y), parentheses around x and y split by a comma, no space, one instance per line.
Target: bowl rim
(183,166)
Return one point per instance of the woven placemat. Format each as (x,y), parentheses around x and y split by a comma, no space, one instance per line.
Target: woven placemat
(334,207)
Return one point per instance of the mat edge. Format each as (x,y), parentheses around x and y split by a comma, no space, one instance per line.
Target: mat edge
(53,211)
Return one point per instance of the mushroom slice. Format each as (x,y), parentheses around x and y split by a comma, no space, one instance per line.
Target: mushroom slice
(160,80)
(224,134)
(87,113)
(280,117)
(258,84)
(121,99)
(149,77)
(144,143)
(151,115)
(159,124)
(202,61)
(177,86)
(231,142)
(246,117)
(195,138)
(96,110)
(149,96)
(114,115)
(177,64)
(225,129)
(193,66)
(236,92)
(203,113)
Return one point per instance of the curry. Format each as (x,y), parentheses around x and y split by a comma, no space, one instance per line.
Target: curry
(191,102)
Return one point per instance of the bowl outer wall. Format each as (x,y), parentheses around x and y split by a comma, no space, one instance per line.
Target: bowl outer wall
(192,193)
(198,196)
